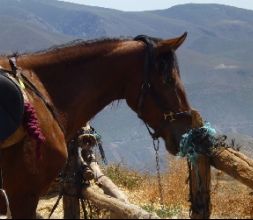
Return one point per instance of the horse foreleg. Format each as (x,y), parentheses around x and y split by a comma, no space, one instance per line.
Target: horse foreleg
(26,177)
(23,206)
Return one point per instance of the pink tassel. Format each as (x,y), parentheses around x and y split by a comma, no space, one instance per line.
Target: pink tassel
(31,124)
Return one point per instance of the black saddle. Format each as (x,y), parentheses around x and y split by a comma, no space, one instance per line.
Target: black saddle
(11,106)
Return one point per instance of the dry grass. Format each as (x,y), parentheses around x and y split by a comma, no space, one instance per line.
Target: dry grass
(175,193)
(230,199)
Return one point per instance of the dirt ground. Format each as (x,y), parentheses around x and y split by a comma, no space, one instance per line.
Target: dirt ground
(230,199)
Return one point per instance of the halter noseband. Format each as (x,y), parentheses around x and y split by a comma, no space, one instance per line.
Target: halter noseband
(146,88)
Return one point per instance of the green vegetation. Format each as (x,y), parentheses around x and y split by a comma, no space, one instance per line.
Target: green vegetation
(163,212)
(125,178)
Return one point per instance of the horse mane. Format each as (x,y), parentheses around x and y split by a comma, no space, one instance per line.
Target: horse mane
(80,43)
(77,43)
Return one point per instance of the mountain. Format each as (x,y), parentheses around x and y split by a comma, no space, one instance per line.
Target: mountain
(215,61)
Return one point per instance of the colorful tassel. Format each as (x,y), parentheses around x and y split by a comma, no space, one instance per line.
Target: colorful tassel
(31,124)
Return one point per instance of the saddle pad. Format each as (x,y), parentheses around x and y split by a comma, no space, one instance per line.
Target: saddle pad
(11,106)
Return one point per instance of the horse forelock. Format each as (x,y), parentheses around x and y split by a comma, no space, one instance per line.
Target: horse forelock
(169,57)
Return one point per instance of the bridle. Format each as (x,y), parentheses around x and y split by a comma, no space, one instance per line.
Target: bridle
(147,89)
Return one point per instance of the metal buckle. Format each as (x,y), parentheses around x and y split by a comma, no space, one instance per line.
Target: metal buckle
(145,85)
(169,116)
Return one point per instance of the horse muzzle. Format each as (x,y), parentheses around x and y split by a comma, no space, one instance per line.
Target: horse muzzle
(197,120)
(178,127)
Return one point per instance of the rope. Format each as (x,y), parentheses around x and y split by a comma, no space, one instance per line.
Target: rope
(55,205)
(98,141)
(85,213)
(90,207)
(197,141)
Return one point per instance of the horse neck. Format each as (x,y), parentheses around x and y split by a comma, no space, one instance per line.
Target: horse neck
(82,84)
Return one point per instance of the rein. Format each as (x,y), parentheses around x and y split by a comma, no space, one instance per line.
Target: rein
(147,89)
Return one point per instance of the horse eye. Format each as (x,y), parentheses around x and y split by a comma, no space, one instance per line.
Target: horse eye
(164,68)
(168,80)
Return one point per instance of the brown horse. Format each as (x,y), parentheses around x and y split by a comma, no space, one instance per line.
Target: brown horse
(79,80)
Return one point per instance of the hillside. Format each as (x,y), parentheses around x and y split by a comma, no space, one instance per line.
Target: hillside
(215,61)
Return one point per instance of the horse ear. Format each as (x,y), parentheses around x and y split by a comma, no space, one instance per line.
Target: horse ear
(165,45)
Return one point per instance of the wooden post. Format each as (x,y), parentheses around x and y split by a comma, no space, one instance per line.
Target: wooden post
(71,207)
(233,163)
(122,209)
(106,184)
(199,180)
(72,188)
(228,160)
(81,163)
(200,177)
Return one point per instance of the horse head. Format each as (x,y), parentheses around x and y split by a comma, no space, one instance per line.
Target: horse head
(162,103)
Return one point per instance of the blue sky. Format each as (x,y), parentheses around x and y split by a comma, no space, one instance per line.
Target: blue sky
(140,5)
